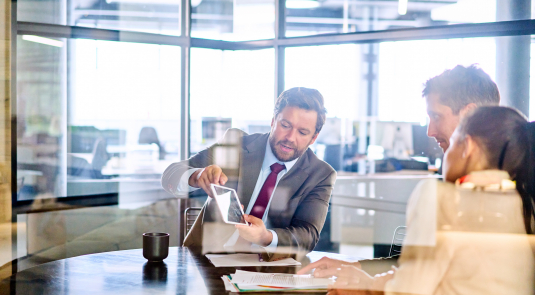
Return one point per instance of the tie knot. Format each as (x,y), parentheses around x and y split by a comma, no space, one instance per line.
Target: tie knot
(276,168)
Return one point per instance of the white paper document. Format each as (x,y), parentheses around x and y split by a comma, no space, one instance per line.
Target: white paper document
(279,280)
(228,285)
(233,260)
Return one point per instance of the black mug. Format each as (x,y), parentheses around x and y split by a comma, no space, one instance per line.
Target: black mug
(155,246)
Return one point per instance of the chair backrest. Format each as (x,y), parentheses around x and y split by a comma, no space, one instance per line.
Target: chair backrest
(190,214)
(397,240)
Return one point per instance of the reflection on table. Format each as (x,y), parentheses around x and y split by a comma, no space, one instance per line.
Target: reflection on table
(127,272)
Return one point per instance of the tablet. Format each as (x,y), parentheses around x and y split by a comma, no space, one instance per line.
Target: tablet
(229,204)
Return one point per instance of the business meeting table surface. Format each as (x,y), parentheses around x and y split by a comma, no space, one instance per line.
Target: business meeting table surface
(127,272)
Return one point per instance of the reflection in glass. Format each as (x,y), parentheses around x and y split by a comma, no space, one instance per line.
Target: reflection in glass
(41,119)
(110,111)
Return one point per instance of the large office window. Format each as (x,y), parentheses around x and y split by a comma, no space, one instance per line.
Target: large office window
(129,93)
(230,20)
(97,116)
(311,17)
(405,66)
(230,89)
(91,111)
(155,16)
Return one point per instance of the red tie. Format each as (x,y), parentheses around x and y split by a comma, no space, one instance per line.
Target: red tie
(265,193)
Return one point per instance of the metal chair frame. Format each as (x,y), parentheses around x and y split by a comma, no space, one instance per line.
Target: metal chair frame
(190,214)
(397,240)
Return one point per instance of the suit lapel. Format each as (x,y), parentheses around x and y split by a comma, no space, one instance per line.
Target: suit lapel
(251,164)
(288,186)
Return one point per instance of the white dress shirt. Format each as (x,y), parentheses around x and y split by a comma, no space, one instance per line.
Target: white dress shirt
(269,159)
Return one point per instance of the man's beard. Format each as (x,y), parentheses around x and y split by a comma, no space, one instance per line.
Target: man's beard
(285,157)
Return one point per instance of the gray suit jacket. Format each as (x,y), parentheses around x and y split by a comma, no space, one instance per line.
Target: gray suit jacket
(300,201)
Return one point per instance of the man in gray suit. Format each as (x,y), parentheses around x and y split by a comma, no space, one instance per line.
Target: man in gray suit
(284,188)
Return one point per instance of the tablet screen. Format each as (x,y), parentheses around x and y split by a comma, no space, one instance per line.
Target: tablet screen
(228,203)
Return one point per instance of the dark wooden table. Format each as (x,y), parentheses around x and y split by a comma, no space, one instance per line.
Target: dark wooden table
(127,272)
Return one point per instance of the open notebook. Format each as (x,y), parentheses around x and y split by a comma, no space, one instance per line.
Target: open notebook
(245,281)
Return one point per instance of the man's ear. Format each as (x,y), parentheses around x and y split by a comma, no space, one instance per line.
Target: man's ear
(467,109)
(272,121)
(470,146)
(314,138)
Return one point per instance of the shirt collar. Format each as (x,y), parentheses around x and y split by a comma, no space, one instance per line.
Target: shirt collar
(486,180)
(270,159)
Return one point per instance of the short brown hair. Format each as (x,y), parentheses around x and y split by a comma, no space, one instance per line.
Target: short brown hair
(461,86)
(304,98)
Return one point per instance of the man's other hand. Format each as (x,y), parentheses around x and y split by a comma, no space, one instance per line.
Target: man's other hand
(326,267)
(204,177)
(256,232)
(349,277)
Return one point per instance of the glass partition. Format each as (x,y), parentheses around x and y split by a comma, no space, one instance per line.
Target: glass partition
(109,111)
(103,119)
(41,117)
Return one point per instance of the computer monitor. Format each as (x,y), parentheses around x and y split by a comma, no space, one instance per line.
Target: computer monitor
(213,128)
(82,139)
(396,138)
(424,145)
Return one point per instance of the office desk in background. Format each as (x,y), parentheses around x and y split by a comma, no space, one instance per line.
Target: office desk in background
(127,272)
(366,209)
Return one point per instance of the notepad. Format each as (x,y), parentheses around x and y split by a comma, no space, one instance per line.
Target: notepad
(234,260)
(279,280)
(245,281)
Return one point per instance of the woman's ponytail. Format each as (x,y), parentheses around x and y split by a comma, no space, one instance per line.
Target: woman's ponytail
(509,142)
(525,180)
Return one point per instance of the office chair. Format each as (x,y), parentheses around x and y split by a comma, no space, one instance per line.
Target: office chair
(148,135)
(397,240)
(190,214)
(77,166)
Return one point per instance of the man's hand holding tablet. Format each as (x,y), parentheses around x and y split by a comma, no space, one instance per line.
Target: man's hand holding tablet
(256,232)
(202,178)
(229,204)
(250,228)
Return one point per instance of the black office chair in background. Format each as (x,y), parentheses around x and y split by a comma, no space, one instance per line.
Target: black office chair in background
(148,135)
(77,166)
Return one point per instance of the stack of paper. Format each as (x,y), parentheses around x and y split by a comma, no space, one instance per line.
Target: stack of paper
(245,281)
(234,260)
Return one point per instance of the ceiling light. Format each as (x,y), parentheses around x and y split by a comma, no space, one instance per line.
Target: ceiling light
(302,4)
(42,40)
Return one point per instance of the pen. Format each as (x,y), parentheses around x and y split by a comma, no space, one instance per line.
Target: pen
(260,258)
